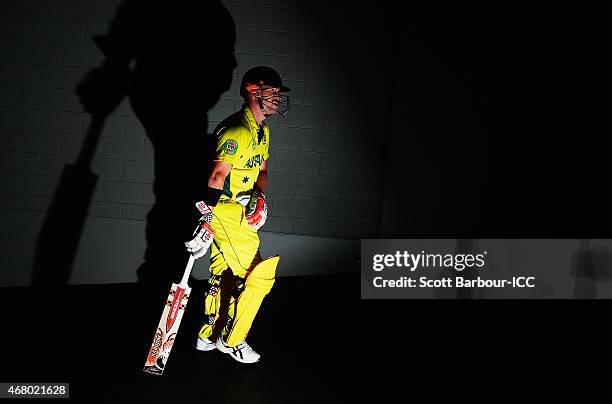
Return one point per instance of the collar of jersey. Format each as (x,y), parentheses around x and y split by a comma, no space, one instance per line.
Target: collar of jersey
(250,118)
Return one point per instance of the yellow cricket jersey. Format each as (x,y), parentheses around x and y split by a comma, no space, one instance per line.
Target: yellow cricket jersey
(243,144)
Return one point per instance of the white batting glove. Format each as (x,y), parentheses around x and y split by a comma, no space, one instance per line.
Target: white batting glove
(203,238)
(203,234)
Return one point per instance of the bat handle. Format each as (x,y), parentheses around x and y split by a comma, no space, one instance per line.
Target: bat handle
(183,283)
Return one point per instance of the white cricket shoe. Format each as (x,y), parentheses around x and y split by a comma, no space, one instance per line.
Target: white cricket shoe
(204,344)
(241,352)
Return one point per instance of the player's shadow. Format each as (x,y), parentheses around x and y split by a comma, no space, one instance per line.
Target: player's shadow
(179,58)
(186,65)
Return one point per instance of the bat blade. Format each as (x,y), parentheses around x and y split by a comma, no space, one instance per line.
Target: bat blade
(167,329)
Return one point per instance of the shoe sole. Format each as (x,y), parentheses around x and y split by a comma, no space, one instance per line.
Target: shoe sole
(238,359)
(205,348)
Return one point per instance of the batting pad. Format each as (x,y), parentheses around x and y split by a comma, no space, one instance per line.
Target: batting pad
(218,304)
(258,285)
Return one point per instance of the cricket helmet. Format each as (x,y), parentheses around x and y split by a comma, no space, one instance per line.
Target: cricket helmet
(257,77)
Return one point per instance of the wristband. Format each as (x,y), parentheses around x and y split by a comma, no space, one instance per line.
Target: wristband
(212,195)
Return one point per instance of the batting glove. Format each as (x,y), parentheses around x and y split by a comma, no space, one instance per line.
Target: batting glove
(203,237)
(257,209)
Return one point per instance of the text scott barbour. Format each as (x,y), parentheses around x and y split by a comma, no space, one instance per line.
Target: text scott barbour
(404,260)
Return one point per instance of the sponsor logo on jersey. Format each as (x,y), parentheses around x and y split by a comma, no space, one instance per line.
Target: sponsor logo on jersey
(254,161)
(230,146)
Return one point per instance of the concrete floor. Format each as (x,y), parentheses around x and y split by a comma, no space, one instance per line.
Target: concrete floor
(319,343)
(97,337)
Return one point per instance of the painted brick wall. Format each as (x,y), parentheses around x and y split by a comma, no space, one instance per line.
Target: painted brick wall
(321,183)
(46,47)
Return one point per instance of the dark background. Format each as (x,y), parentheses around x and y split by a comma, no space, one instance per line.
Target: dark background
(504,107)
(498,120)
(492,123)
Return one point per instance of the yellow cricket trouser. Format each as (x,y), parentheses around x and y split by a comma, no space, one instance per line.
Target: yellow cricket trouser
(235,247)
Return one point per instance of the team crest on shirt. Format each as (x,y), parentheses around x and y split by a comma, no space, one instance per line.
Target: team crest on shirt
(230,147)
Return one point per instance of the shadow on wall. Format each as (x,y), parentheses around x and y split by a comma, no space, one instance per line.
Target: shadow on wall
(173,61)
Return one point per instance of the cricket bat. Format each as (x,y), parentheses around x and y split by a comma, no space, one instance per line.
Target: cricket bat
(170,321)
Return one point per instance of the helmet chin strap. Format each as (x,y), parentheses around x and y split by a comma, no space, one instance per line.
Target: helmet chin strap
(262,108)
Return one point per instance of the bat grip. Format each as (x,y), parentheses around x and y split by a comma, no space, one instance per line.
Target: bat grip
(183,283)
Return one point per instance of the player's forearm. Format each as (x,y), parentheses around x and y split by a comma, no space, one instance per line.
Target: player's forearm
(217,176)
(216,180)
(262,181)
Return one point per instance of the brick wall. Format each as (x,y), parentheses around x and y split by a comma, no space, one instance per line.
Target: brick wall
(321,183)
(46,48)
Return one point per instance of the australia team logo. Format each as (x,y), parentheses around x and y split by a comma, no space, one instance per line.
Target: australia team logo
(230,147)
